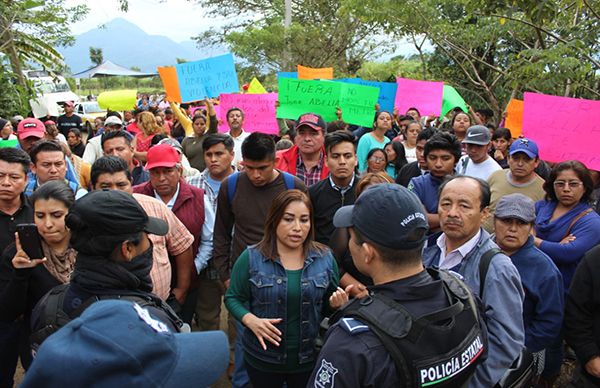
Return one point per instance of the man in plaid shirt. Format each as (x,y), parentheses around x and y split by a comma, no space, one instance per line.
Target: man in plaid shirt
(218,155)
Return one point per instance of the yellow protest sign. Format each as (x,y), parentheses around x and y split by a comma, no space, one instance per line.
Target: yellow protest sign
(310,73)
(256,87)
(118,100)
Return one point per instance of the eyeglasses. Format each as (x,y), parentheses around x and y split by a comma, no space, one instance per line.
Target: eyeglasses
(376,159)
(571,184)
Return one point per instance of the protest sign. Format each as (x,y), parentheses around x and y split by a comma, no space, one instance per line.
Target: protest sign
(426,96)
(451,100)
(10,143)
(387,91)
(43,106)
(259,111)
(199,79)
(564,128)
(514,117)
(297,97)
(310,73)
(118,100)
(287,74)
(256,87)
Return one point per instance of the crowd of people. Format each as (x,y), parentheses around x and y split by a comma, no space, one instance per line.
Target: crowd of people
(421,251)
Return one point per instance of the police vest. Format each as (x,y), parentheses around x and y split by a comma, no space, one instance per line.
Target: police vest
(51,316)
(440,349)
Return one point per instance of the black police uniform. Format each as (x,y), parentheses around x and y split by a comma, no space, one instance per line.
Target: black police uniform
(353,355)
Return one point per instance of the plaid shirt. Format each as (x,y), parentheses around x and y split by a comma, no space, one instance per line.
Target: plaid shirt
(309,177)
(201,181)
(174,243)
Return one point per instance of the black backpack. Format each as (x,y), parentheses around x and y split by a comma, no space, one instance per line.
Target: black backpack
(441,348)
(48,315)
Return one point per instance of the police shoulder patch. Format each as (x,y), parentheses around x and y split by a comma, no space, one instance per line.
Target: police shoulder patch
(353,326)
(325,376)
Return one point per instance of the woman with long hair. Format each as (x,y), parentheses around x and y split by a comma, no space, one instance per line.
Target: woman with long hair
(148,127)
(566,227)
(280,291)
(410,144)
(374,139)
(24,280)
(396,158)
(201,125)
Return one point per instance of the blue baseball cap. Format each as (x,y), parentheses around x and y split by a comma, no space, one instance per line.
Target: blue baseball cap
(524,145)
(117,343)
(387,214)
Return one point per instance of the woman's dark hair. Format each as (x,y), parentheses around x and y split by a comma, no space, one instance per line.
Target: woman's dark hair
(334,138)
(198,116)
(400,160)
(444,141)
(15,155)
(502,133)
(460,112)
(258,146)
(582,173)
(75,131)
(375,150)
(217,138)
(379,113)
(111,165)
(371,178)
(268,245)
(57,190)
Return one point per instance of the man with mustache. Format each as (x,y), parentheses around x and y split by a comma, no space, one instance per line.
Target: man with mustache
(461,248)
(235,120)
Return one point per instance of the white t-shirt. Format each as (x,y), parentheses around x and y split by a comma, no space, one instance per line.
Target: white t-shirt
(237,147)
(411,153)
(481,170)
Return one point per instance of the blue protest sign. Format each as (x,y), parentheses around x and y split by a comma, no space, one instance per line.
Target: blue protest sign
(207,78)
(287,74)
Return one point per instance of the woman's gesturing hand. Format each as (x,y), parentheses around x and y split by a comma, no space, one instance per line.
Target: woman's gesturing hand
(21,260)
(340,297)
(263,329)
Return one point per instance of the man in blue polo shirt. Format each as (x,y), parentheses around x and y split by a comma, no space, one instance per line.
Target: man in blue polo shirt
(441,153)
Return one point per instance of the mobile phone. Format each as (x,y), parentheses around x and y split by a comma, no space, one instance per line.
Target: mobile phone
(30,240)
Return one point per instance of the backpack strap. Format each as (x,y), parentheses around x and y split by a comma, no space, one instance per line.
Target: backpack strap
(484,265)
(464,165)
(232,181)
(288,179)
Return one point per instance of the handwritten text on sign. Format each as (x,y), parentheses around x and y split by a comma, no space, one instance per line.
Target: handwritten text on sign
(563,128)
(297,97)
(259,111)
(207,78)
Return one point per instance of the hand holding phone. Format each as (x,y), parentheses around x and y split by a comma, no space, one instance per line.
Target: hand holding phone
(29,247)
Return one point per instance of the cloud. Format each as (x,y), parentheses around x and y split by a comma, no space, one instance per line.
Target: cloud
(176,19)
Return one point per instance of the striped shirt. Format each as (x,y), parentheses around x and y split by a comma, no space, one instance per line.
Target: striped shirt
(174,243)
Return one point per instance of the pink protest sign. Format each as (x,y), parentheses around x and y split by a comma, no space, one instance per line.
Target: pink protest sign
(426,96)
(259,111)
(563,128)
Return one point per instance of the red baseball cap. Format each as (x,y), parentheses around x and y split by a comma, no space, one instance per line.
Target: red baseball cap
(313,121)
(30,127)
(70,103)
(162,155)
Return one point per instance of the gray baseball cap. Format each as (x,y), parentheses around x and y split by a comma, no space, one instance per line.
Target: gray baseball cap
(478,134)
(387,214)
(517,206)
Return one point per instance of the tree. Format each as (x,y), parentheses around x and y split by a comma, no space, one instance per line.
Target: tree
(322,33)
(96,56)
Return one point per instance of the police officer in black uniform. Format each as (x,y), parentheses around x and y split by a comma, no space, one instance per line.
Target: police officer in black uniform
(417,327)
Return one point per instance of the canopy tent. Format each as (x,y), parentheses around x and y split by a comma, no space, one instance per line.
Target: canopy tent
(109,69)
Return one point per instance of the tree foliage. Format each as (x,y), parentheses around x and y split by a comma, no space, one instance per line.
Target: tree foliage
(322,33)
(96,55)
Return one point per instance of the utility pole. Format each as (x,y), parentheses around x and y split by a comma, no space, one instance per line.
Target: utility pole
(287,21)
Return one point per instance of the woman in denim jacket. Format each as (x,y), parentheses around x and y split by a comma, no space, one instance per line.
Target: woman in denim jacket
(280,291)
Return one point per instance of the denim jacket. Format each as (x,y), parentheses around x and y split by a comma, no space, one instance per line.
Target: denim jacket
(268,282)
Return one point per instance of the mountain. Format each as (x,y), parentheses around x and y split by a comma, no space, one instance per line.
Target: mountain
(126,44)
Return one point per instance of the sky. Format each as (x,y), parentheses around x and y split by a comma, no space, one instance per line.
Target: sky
(176,19)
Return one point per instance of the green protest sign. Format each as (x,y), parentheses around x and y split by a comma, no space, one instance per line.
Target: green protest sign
(9,143)
(451,100)
(358,104)
(301,96)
